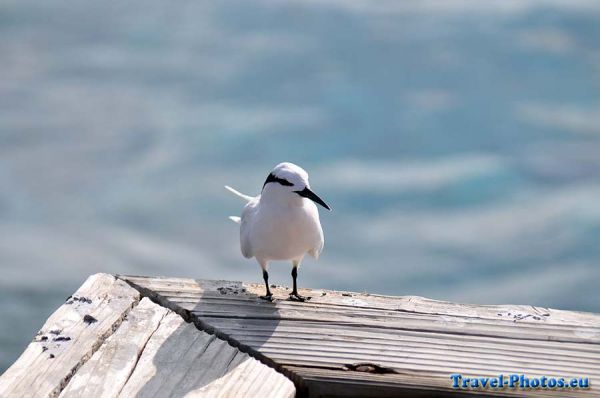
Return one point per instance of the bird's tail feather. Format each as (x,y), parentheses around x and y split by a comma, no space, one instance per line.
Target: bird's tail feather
(235,219)
(241,195)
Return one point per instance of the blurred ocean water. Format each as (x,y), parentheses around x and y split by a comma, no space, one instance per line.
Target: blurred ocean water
(457,141)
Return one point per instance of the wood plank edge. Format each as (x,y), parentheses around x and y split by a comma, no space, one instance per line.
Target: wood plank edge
(419,300)
(98,343)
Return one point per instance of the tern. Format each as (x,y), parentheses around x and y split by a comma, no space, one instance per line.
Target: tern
(282,223)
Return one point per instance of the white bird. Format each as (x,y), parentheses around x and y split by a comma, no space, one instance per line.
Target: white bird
(282,223)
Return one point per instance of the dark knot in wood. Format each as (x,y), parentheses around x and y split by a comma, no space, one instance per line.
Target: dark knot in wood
(367,367)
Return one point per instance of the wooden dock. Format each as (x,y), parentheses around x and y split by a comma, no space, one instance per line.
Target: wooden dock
(124,336)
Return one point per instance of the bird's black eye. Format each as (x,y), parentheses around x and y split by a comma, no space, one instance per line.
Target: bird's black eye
(273,178)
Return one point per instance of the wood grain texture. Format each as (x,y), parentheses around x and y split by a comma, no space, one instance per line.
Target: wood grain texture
(107,371)
(421,341)
(69,337)
(180,361)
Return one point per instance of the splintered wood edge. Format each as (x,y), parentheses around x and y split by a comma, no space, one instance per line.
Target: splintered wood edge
(69,337)
(73,335)
(125,364)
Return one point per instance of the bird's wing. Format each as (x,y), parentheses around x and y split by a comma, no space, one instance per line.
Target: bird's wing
(235,219)
(248,215)
(318,248)
(239,194)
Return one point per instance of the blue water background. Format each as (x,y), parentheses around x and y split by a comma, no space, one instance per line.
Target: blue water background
(457,141)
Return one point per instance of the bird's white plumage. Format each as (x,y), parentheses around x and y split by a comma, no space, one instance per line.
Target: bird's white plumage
(279,224)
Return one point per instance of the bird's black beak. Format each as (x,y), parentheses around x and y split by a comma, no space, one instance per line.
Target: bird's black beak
(307,193)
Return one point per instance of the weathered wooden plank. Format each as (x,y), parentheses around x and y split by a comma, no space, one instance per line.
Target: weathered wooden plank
(229,300)
(107,371)
(364,344)
(410,304)
(254,313)
(179,360)
(69,337)
(418,339)
(393,320)
(478,346)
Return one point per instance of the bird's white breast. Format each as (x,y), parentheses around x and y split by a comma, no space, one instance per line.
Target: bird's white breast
(284,232)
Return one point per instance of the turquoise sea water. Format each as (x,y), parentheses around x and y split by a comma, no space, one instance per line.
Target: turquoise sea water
(458,143)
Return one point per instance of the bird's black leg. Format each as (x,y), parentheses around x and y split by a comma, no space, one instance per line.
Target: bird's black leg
(294,296)
(268,296)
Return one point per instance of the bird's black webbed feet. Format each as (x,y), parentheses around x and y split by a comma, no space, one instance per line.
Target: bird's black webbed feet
(267,297)
(297,297)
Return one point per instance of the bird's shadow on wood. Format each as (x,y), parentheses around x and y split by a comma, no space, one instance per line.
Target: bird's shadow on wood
(224,315)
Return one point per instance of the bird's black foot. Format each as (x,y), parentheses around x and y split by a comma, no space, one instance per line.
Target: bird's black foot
(297,297)
(267,297)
